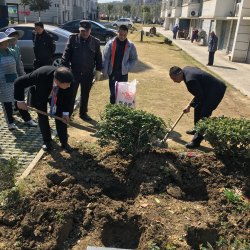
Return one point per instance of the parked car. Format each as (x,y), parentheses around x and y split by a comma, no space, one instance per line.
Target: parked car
(97,30)
(26,44)
(123,21)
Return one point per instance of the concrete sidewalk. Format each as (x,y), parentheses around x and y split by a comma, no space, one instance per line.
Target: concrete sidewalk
(237,74)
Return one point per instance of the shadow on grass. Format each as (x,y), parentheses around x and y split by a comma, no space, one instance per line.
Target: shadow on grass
(177,137)
(141,67)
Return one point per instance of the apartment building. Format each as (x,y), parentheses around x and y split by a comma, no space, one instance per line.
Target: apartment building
(230,19)
(63,10)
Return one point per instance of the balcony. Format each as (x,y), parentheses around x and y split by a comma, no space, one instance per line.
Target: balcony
(177,3)
(218,9)
(191,9)
(191,2)
(177,8)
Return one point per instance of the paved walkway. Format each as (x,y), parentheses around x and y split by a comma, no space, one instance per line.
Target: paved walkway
(24,142)
(237,74)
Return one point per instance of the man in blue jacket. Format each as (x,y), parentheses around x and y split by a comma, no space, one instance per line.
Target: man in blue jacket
(175,30)
(119,58)
(212,47)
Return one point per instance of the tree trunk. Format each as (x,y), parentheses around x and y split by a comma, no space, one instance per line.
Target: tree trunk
(24,15)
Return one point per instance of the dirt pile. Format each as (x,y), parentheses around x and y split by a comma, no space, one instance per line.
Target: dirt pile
(103,199)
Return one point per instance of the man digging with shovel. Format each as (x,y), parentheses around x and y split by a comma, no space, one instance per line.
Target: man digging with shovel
(207,90)
(50,84)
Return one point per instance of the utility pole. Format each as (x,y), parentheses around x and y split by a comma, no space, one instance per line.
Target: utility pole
(57,6)
(142,32)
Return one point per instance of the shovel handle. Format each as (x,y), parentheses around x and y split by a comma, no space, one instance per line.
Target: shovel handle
(166,136)
(61,119)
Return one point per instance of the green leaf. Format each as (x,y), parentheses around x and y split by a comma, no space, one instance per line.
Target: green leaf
(157,200)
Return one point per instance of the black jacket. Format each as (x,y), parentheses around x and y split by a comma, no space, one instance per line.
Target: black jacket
(42,79)
(206,88)
(83,55)
(44,46)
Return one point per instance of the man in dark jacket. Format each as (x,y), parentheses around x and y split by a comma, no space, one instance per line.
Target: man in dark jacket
(212,47)
(83,52)
(44,46)
(208,92)
(49,82)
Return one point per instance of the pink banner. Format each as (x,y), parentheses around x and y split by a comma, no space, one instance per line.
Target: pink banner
(27,13)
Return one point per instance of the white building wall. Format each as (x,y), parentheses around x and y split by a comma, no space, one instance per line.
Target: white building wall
(242,38)
(223,8)
(187,8)
(208,8)
(70,9)
(206,28)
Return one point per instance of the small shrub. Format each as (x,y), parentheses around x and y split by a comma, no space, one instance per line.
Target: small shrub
(236,199)
(130,129)
(153,246)
(59,215)
(7,174)
(226,135)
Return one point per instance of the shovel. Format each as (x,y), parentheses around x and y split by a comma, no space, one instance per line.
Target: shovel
(166,136)
(73,124)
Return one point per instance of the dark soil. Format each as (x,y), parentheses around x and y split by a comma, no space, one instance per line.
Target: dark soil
(97,197)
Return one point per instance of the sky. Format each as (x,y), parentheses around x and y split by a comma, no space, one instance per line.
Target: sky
(107,1)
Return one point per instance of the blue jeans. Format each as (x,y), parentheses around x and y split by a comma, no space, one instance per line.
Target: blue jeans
(112,80)
(174,34)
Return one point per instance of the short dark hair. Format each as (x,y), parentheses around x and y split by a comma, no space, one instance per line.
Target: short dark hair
(175,70)
(123,27)
(39,24)
(63,74)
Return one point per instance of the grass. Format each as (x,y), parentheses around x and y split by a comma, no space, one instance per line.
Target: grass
(158,94)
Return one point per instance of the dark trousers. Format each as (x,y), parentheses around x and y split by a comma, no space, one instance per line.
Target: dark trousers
(199,112)
(43,122)
(8,112)
(112,80)
(86,84)
(211,58)
(38,63)
(174,34)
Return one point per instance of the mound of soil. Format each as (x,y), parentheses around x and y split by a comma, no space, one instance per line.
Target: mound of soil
(96,197)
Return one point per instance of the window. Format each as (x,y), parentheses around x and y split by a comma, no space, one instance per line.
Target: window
(212,26)
(62,1)
(171,3)
(94,26)
(28,34)
(68,2)
(76,24)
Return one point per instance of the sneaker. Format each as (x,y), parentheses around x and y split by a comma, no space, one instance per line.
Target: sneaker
(32,123)
(11,126)
(46,146)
